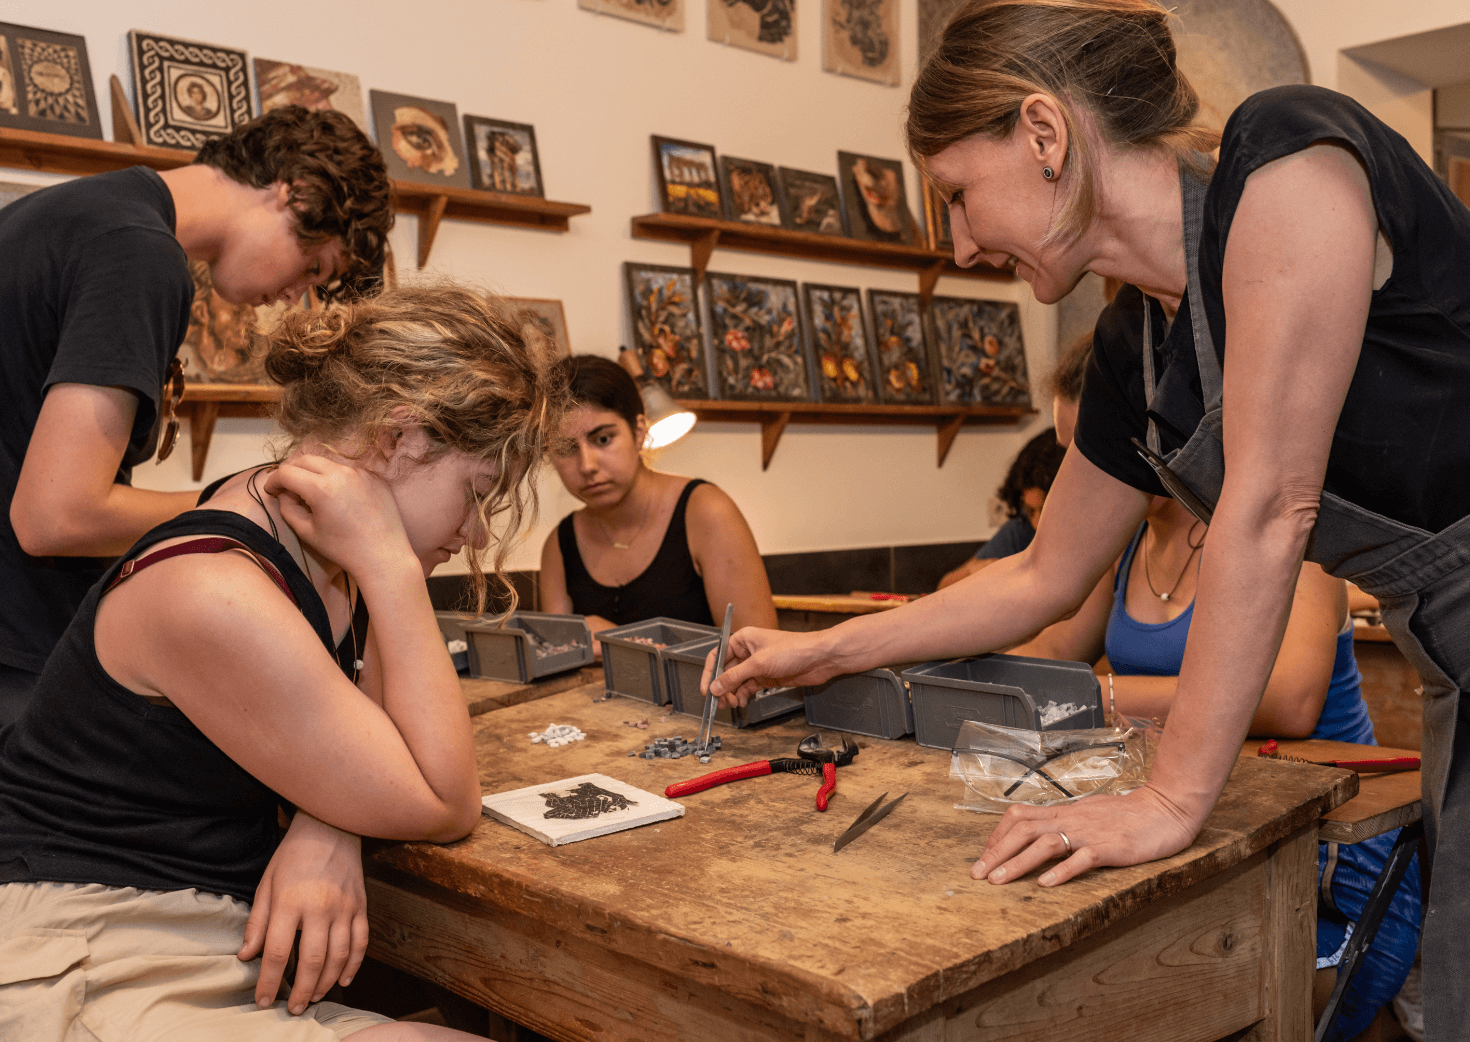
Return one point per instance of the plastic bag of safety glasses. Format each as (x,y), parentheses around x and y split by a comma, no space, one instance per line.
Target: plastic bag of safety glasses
(1005,765)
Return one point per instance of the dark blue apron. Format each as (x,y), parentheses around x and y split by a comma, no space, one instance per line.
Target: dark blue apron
(1422,582)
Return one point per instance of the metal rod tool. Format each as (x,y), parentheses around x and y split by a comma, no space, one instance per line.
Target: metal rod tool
(707,722)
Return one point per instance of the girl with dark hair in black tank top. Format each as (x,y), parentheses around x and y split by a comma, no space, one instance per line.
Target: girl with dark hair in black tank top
(647,543)
(197,691)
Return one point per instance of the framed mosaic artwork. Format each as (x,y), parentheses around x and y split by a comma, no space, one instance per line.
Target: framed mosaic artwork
(860,38)
(750,191)
(667,334)
(46,82)
(812,202)
(936,220)
(688,181)
(187,92)
(874,199)
(979,356)
(503,156)
(282,83)
(902,351)
(763,26)
(841,348)
(226,343)
(661,14)
(756,342)
(546,318)
(419,139)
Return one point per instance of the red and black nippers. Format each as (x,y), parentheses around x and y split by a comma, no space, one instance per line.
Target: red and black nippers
(815,759)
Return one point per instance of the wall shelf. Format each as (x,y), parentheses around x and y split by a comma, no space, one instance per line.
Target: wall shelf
(774,417)
(705,234)
(61,154)
(205,403)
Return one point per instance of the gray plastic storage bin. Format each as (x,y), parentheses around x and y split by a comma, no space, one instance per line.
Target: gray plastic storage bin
(632,663)
(452,624)
(1010,690)
(683,668)
(874,703)
(528,645)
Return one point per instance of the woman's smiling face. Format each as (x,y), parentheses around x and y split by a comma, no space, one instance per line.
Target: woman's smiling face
(1003,207)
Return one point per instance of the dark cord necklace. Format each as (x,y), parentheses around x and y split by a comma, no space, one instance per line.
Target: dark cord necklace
(254,492)
(1194,548)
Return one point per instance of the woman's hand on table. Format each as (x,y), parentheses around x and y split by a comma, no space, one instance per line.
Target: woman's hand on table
(759,659)
(1144,825)
(313,884)
(347,514)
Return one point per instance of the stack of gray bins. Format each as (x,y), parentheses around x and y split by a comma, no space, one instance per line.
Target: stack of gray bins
(684,668)
(874,703)
(528,645)
(1011,690)
(451,625)
(632,655)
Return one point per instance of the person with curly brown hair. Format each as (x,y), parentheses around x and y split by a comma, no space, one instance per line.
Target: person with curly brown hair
(275,647)
(95,295)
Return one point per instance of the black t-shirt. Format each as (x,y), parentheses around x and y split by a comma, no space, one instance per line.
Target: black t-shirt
(1402,443)
(94,289)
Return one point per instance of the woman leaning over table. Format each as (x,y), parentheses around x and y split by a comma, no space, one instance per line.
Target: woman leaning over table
(1321,266)
(198,689)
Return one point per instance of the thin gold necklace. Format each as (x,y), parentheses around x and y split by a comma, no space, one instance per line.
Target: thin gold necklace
(1193,549)
(634,537)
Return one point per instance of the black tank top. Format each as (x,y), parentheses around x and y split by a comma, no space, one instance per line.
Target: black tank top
(100,785)
(669,586)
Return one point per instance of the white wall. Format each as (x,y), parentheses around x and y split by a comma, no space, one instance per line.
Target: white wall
(596,87)
(1326,28)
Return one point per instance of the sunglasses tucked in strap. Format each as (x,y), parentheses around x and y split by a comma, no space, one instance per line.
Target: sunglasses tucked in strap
(171,395)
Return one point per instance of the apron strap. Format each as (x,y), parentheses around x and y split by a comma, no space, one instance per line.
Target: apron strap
(1192,189)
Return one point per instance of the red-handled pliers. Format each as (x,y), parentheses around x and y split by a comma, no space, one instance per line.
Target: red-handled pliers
(815,759)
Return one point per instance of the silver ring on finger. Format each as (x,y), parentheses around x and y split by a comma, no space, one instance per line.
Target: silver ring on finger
(1065,841)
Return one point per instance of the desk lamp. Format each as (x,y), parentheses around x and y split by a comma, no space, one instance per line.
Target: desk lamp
(668,421)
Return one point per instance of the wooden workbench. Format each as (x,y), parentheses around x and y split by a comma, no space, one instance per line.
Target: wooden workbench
(737,922)
(483,696)
(1384,801)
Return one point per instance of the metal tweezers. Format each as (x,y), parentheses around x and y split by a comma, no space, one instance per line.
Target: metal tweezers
(866,820)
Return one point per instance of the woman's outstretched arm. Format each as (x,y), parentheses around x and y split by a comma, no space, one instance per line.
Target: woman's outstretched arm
(1298,275)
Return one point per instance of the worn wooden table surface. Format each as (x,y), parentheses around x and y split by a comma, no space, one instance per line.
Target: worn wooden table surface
(1384,801)
(738,922)
(484,696)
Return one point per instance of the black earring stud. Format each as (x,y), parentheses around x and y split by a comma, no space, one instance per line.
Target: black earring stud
(1048,173)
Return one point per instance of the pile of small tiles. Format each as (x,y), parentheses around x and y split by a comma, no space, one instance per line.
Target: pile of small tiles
(647,640)
(557,735)
(547,650)
(677,748)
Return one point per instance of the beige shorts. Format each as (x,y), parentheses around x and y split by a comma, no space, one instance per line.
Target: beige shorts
(91,963)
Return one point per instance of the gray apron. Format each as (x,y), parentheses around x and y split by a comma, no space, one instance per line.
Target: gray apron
(1422,582)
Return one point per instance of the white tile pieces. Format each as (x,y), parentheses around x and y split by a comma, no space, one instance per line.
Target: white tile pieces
(579,808)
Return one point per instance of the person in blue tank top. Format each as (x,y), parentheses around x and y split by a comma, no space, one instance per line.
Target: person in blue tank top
(1133,628)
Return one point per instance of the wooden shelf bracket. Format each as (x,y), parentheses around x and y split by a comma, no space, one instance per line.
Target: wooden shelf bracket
(773,425)
(429,226)
(928,279)
(947,430)
(201,430)
(699,253)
